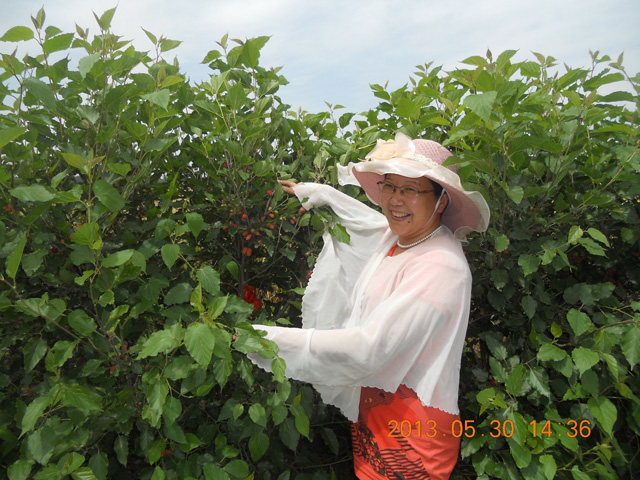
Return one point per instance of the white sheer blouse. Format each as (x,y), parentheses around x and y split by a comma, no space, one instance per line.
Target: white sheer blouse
(374,320)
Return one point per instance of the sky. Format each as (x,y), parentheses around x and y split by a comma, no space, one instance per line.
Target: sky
(332,50)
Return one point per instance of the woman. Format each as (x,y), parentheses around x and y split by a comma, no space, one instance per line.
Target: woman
(384,318)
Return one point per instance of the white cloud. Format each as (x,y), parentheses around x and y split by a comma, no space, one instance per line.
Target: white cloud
(332,50)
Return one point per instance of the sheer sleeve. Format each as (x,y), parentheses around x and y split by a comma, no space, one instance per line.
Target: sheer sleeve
(327,299)
(421,314)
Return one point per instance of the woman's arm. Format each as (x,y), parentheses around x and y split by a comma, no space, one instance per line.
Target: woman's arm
(426,310)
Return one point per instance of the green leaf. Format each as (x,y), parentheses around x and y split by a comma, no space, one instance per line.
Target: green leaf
(258,445)
(107,298)
(210,280)
(151,36)
(81,398)
(17,34)
(598,235)
(160,98)
(520,453)
(340,233)
(592,247)
(170,252)
(482,105)
(631,345)
(104,21)
(258,415)
(167,44)
(278,367)
(34,351)
(77,161)
(57,43)
(549,351)
(86,64)
(180,293)
(262,168)
(59,354)
(20,469)
(121,447)
(216,307)
(549,466)
(200,340)
(579,321)
(41,444)
(579,474)
(87,234)
(32,193)
(154,450)
(539,380)
(33,412)
(584,358)
(214,472)
(408,108)
(88,113)
(14,258)
(302,424)
(81,322)
(236,96)
(84,473)
(117,258)
(172,410)
(516,193)
(237,468)
(529,305)
(528,263)
(38,21)
(156,396)
(496,347)
(604,411)
(514,382)
(575,234)
(109,196)
(41,91)
(158,144)
(195,223)
(162,341)
(10,134)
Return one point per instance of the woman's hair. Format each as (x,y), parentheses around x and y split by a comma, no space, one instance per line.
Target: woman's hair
(437,188)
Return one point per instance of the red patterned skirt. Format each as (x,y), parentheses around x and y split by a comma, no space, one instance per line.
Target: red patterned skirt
(396,437)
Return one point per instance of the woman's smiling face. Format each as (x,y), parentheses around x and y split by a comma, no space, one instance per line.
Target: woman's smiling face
(410,217)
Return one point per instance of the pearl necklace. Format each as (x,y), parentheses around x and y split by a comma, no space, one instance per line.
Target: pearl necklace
(421,240)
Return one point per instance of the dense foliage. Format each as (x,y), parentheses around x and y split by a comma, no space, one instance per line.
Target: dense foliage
(143,231)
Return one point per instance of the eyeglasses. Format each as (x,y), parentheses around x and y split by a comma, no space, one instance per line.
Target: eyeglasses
(411,192)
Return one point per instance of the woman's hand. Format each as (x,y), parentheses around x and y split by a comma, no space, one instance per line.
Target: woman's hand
(287,187)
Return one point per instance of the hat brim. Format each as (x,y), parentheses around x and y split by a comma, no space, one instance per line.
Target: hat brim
(466,212)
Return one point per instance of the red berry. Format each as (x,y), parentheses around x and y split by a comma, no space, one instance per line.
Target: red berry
(244,216)
(54,250)
(112,368)
(269,192)
(271,215)
(248,237)
(9,209)
(166,452)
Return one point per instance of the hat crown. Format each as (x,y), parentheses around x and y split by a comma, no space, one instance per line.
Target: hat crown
(434,151)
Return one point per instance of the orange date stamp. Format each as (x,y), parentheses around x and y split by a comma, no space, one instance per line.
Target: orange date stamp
(497,428)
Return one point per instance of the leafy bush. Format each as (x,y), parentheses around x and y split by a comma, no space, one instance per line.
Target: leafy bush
(142,231)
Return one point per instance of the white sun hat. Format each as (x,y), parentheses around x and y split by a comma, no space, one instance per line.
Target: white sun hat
(467,211)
